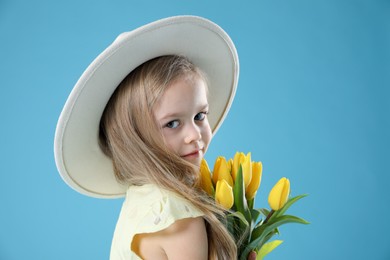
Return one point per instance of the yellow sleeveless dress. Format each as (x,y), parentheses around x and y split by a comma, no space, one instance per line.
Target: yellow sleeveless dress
(147,209)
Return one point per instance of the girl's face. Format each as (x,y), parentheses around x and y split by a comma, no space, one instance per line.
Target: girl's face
(182,115)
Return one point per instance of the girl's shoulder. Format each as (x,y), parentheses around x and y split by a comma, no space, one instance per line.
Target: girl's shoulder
(157,208)
(147,209)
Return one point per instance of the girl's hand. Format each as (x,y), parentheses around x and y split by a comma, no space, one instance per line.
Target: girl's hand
(252,255)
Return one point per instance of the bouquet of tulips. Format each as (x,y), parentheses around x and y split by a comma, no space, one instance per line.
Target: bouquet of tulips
(234,184)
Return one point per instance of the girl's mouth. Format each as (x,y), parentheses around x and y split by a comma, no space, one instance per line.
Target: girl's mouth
(193,154)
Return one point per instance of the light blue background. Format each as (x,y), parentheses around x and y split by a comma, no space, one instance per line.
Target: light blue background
(313,104)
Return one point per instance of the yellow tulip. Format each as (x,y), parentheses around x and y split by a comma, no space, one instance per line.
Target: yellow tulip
(246,164)
(279,194)
(238,157)
(205,180)
(257,169)
(230,165)
(216,166)
(224,194)
(247,170)
(221,171)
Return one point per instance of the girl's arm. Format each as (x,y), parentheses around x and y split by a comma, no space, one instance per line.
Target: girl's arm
(184,239)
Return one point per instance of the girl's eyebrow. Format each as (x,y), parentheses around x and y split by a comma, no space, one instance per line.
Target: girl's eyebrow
(178,114)
(170,115)
(204,107)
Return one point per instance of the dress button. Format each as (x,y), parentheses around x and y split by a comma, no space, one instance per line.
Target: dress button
(157,220)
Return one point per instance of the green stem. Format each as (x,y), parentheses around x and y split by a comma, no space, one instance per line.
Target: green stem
(251,203)
(269,216)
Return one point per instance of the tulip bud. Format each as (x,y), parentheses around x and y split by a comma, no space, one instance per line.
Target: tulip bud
(205,178)
(238,158)
(246,164)
(279,194)
(253,186)
(221,171)
(224,194)
(247,170)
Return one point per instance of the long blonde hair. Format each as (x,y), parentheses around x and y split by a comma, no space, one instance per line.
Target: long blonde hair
(130,136)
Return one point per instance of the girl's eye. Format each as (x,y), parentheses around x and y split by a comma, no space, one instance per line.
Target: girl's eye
(200,116)
(172,124)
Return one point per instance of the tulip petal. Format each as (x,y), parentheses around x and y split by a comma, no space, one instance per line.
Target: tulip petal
(254,185)
(237,160)
(215,170)
(224,194)
(205,180)
(224,174)
(285,193)
(247,169)
(230,165)
(221,171)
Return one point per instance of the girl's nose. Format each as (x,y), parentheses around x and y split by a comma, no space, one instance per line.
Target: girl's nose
(193,134)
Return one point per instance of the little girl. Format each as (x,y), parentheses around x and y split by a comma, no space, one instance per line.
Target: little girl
(138,123)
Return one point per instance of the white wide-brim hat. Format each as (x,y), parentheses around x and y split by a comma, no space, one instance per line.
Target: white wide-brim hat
(80,161)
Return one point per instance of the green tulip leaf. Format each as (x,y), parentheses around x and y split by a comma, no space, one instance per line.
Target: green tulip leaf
(239,195)
(231,225)
(290,219)
(267,248)
(255,213)
(259,231)
(240,216)
(263,233)
(281,220)
(288,205)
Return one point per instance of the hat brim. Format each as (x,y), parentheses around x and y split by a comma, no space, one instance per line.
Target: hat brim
(79,159)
